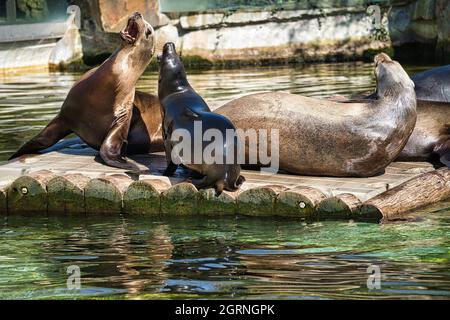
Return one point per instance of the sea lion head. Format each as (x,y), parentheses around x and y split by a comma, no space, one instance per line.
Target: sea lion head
(172,75)
(392,79)
(139,34)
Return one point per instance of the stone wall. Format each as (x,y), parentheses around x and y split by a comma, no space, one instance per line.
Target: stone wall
(274,36)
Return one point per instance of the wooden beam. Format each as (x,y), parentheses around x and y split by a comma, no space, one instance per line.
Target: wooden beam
(421,191)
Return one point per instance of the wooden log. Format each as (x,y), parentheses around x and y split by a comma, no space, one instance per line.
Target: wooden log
(143,197)
(66,194)
(259,201)
(342,206)
(104,195)
(3,202)
(180,199)
(424,190)
(211,204)
(298,202)
(28,194)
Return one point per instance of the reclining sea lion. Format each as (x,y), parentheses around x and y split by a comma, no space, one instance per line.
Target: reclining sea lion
(430,140)
(433,85)
(102,107)
(328,138)
(182,109)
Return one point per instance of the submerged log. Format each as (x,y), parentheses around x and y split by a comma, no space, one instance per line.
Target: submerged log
(181,199)
(66,194)
(211,204)
(28,194)
(259,201)
(421,191)
(342,206)
(143,197)
(104,195)
(298,202)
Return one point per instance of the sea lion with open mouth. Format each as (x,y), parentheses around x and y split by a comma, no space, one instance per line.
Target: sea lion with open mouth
(182,109)
(328,138)
(102,107)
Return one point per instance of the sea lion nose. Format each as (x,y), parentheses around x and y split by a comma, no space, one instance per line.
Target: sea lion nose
(169,47)
(137,15)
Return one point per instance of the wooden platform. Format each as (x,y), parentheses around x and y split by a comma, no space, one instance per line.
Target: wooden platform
(73,168)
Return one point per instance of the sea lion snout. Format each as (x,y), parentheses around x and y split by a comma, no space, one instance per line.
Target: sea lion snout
(381,57)
(169,48)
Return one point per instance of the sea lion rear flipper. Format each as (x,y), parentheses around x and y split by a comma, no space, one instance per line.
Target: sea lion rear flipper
(52,133)
(111,150)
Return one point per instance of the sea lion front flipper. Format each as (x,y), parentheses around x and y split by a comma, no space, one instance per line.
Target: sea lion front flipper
(190,114)
(112,147)
(170,170)
(52,133)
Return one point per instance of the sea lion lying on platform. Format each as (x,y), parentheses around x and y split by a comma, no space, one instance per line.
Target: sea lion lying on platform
(433,85)
(102,107)
(327,138)
(182,109)
(430,140)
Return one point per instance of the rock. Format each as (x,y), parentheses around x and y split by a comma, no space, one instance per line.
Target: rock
(168,33)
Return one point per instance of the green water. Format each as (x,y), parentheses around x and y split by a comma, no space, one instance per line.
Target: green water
(223,258)
(127,257)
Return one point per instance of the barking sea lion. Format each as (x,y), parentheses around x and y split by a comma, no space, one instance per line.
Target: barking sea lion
(102,107)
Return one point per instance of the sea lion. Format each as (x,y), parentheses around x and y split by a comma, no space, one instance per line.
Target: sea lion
(433,85)
(183,109)
(328,138)
(430,140)
(102,107)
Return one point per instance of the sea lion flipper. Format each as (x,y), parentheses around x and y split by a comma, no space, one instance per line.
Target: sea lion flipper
(190,114)
(170,170)
(52,133)
(112,147)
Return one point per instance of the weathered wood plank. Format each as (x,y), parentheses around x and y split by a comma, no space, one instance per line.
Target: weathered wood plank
(104,195)
(211,204)
(144,197)
(66,194)
(421,191)
(342,206)
(259,201)
(28,194)
(298,202)
(181,199)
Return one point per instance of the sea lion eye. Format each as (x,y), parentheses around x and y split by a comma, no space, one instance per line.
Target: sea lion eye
(148,33)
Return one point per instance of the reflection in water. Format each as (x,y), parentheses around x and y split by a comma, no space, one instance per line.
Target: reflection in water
(223,257)
(28,102)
